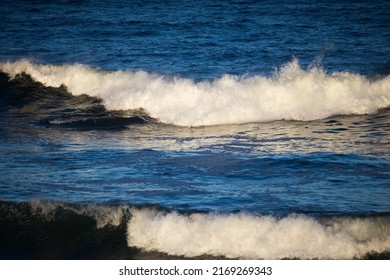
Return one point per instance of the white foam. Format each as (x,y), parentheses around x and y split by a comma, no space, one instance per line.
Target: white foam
(291,94)
(256,237)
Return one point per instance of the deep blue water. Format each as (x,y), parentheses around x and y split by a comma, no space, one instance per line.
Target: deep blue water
(263,122)
(199,39)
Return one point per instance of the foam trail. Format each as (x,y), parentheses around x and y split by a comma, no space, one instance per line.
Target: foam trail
(291,94)
(251,237)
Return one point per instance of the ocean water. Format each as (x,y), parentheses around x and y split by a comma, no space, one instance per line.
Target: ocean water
(194,129)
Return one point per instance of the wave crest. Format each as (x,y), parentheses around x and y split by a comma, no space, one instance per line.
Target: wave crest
(292,93)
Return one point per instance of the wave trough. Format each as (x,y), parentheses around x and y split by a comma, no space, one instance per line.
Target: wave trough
(292,93)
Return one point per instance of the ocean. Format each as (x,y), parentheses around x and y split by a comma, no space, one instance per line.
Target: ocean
(194,129)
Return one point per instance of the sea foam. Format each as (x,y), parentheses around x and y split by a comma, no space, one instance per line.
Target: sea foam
(257,237)
(292,93)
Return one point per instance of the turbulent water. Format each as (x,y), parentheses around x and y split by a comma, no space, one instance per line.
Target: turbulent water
(208,129)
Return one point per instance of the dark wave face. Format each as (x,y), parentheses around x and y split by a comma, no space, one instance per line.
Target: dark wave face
(24,98)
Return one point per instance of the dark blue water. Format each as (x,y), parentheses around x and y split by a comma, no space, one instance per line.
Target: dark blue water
(216,122)
(199,39)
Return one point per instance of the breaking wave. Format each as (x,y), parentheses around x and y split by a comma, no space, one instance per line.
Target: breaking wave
(258,237)
(292,93)
(59,230)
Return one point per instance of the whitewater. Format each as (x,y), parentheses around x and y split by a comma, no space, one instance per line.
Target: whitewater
(291,93)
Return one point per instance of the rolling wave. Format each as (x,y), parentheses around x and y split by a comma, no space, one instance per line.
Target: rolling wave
(258,237)
(42,229)
(292,93)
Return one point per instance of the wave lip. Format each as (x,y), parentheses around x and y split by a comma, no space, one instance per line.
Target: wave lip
(291,94)
(250,237)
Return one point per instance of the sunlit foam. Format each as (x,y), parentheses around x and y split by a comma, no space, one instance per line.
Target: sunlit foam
(291,94)
(256,237)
